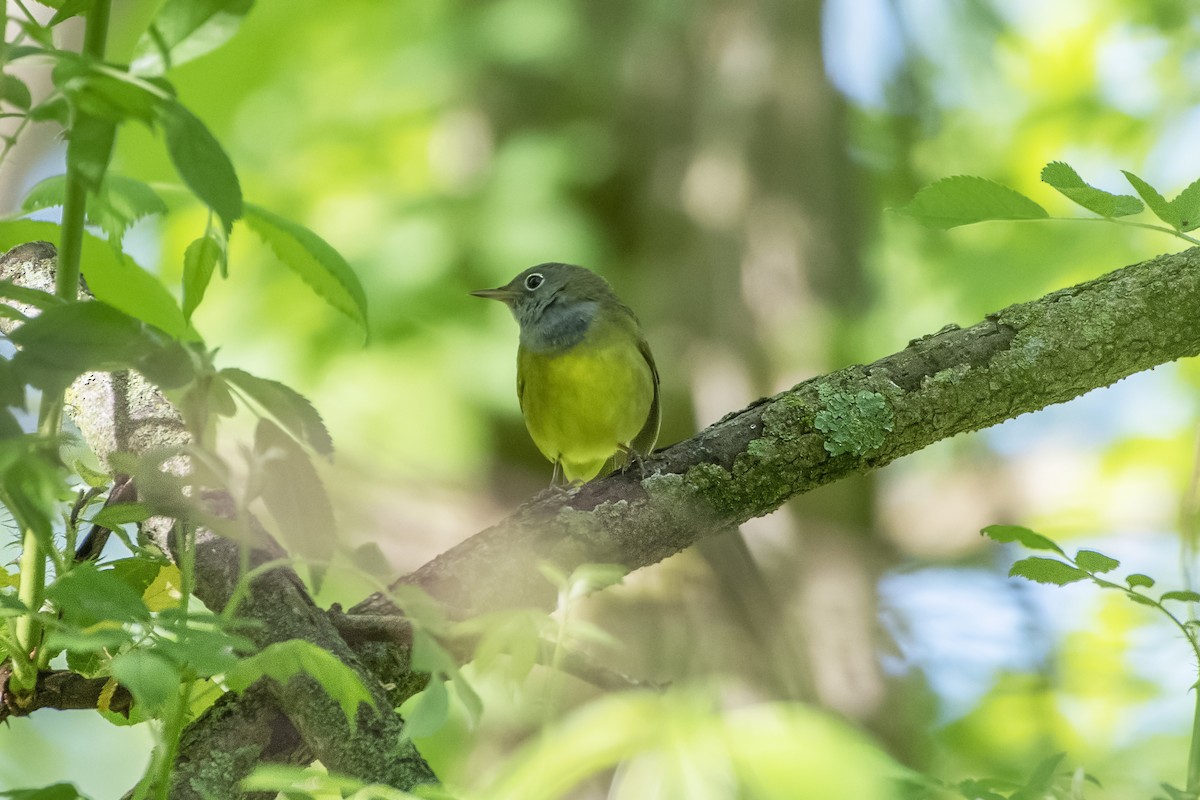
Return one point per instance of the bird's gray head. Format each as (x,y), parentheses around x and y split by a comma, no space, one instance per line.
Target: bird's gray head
(553,303)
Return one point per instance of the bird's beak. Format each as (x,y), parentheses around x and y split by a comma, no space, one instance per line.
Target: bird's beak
(502,293)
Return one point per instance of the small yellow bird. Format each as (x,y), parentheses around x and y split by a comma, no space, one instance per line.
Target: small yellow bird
(586,381)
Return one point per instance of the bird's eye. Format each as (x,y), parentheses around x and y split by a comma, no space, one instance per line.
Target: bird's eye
(533,281)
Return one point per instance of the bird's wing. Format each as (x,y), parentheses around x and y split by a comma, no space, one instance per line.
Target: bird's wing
(643,443)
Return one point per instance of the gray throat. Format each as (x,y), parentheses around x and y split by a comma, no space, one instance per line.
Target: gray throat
(558,325)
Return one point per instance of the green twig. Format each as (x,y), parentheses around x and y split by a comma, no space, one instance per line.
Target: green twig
(1148,226)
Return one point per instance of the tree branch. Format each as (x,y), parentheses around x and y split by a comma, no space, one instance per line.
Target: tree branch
(857,419)
(854,420)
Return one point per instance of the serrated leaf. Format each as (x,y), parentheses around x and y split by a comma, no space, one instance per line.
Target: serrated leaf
(68,340)
(967,199)
(285,404)
(1047,570)
(87,596)
(1017,533)
(1187,206)
(14,92)
(1092,561)
(1157,204)
(1183,595)
(186,29)
(199,261)
(68,9)
(1067,181)
(1138,579)
(284,660)
(112,278)
(294,494)
(121,514)
(428,712)
(201,162)
(314,260)
(151,679)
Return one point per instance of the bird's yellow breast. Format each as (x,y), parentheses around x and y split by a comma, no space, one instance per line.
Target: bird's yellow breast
(583,404)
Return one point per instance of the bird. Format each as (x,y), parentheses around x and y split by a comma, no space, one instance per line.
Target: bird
(586,380)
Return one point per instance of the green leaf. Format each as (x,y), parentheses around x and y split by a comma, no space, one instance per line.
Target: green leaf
(1162,208)
(428,712)
(67,9)
(187,29)
(199,260)
(89,148)
(14,91)
(68,340)
(1187,206)
(314,260)
(966,199)
(1092,561)
(1184,595)
(1138,579)
(30,297)
(11,606)
(1067,181)
(59,791)
(428,655)
(588,578)
(106,93)
(87,596)
(284,660)
(118,203)
(294,494)
(289,407)
(122,514)
(1046,570)
(152,679)
(107,637)
(1016,533)
(112,278)
(200,161)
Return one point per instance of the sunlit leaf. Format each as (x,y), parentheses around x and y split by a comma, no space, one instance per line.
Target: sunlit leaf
(1016,533)
(1047,570)
(1159,205)
(314,260)
(186,29)
(966,199)
(1092,561)
(1138,579)
(199,261)
(1067,181)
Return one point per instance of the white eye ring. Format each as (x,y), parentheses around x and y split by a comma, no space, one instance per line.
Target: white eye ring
(534,280)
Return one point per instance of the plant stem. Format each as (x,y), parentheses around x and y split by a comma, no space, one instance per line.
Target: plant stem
(1193,770)
(32,587)
(1148,226)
